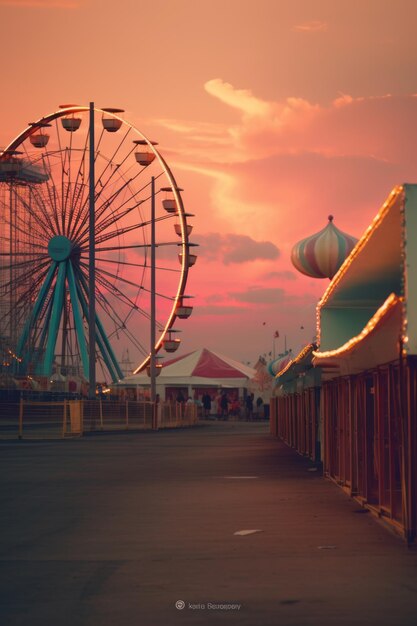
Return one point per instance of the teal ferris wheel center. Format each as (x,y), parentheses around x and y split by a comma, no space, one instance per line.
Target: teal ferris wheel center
(74,291)
(59,248)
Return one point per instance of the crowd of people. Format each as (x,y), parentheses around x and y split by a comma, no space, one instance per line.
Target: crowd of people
(224,405)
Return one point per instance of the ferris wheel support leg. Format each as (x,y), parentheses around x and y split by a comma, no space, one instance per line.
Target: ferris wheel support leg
(36,310)
(77,318)
(99,342)
(108,348)
(57,308)
(38,362)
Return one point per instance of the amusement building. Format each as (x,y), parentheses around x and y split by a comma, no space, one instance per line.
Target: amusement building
(349,400)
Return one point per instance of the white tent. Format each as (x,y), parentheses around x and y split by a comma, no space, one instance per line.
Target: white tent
(202,368)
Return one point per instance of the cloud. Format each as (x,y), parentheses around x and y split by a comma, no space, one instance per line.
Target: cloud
(221,310)
(280,275)
(241,99)
(202,130)
(313,26)
(259,295)
(301,157)
(231,248)
(377,126)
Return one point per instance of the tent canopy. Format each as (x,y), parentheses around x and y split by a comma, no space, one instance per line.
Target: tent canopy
(202,367)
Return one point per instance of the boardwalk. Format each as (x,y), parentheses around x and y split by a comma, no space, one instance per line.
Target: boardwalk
(113,530)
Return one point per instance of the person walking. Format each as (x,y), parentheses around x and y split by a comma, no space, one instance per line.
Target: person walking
(224,405)
(206,404)
(249,406)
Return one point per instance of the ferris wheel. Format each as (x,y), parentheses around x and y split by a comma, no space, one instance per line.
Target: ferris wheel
(49,177)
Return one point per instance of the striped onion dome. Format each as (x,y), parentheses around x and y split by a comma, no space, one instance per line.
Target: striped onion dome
(321,255)
(276,366)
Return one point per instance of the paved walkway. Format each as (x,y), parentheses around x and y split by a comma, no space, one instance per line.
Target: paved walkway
(113,530)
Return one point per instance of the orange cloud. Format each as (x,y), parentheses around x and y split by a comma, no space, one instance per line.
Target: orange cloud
(241,99)
(318,157)
(234,248)
(311,27)
(260,295)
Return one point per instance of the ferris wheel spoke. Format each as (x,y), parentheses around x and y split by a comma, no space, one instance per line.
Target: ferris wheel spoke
(52,193)
(76,217)
(128,282)
(117,233)
(22,254)
(32,278)
(122,231)
(79,219)
(133,340)
(23,230)
(105,206)
(65,182)
(25,284)
(108,165)
(50,216)
(60,149)
(67,173)
(143,265)
(79,188)
(22,265)
(14,283)
(82,232)
(138,246)
(118,214)
(111,160)
(39,219)
(115,291)
(122,298)
(31,227)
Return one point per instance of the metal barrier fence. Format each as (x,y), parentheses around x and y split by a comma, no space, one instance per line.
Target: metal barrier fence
(295,419)
(369,437)
(30,419)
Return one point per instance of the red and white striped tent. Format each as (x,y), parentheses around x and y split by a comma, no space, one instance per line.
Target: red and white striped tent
(202,368)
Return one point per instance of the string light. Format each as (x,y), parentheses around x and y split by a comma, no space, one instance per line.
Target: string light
(388,307)
(300,356)
(14,356)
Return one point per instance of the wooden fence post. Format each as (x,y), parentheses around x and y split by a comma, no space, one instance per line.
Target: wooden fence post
(21,418)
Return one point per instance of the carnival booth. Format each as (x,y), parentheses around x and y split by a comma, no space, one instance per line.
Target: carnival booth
(367,358)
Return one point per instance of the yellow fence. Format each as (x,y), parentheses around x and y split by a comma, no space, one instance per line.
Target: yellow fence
(73,418)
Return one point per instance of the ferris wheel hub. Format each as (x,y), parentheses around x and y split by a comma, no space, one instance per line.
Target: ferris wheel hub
(59,248)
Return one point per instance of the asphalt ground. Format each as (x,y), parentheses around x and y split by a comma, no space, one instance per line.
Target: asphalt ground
(118,529)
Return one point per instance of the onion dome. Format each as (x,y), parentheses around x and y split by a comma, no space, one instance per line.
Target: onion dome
(321,255)
(276,366)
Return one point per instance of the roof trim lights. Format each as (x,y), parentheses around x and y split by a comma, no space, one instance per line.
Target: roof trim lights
(389,305)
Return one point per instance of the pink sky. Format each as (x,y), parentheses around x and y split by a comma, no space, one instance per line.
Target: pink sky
(271,114)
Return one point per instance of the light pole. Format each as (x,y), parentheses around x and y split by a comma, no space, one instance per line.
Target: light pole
(92,265)
(153,309)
